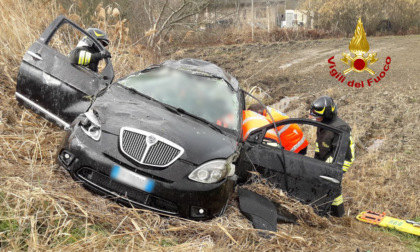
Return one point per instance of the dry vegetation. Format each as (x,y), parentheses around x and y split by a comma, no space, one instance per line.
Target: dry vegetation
(232,36)
(380,16)
(332,19)
(42,208)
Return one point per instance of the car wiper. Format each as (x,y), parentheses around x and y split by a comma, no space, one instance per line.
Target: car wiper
(214,127)
(170,108)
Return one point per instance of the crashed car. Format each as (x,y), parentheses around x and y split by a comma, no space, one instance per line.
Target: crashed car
(167,138)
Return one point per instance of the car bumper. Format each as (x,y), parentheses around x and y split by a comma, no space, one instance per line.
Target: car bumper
(178,196)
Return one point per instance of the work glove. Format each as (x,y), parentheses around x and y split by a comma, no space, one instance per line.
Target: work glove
(105,54)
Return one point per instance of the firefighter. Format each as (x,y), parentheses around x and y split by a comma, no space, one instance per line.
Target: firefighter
(291,136)
(324,110)
(87,53)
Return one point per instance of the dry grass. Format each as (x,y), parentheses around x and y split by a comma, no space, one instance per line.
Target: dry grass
(341,15)
(42,208)
(232,36)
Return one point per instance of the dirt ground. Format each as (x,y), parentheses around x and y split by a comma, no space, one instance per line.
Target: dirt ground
(384,117)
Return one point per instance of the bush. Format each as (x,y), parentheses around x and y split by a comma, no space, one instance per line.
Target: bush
(378,16)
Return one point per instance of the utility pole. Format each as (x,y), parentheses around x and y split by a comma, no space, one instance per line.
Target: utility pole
(252,19)
(285,17)
(267,10)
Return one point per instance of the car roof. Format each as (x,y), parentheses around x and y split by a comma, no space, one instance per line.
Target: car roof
(202,67)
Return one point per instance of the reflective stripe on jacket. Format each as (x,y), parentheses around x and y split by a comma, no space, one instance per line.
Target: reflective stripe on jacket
(291,135)
(85,56)
(251,121)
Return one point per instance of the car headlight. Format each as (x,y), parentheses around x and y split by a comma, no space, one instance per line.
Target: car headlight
(212,172)
(91,125)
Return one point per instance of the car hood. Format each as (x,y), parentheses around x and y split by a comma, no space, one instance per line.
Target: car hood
(121,107)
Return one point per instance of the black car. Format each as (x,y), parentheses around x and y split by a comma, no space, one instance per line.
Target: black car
(167,138)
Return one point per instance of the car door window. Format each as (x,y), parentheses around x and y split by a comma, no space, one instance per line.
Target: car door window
(66,39)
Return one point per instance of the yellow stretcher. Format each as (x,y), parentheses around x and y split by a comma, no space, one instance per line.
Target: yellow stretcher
(410,227)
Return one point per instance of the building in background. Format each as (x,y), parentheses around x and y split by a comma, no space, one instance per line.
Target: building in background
(299,18)
(267,15)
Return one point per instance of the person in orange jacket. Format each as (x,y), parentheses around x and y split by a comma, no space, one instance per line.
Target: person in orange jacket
(252,121)
(291,136)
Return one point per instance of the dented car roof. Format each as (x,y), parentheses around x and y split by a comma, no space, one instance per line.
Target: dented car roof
(202,67)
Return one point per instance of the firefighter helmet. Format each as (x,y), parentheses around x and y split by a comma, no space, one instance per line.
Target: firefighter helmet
(323,107)
(99,35)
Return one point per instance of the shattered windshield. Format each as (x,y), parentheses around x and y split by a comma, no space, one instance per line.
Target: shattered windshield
(209,98)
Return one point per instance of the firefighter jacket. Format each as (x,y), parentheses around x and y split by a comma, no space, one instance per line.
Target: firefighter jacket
(291,135)
(86,56)
(327,141)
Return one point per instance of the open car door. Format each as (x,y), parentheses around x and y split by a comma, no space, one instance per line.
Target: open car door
(49,84)
(312,181)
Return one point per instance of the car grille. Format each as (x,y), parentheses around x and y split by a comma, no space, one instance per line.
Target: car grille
(131,195)
(134,144)
(147,148)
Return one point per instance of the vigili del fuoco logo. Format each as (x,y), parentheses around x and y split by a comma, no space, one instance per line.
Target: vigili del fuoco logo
(359,46)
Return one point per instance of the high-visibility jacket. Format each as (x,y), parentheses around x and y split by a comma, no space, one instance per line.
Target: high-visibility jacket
(252,121)
(291,135)
(292,139)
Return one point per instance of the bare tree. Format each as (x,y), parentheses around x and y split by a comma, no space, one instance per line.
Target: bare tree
(164,15)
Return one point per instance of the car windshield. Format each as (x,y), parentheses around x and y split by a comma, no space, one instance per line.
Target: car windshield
(209,98)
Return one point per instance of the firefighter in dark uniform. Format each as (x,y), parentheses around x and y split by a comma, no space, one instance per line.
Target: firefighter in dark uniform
(324,110)
(87,53)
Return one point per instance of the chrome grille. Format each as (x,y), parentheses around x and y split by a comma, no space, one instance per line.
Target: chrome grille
(147,148)
(155,157)
(134,144)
